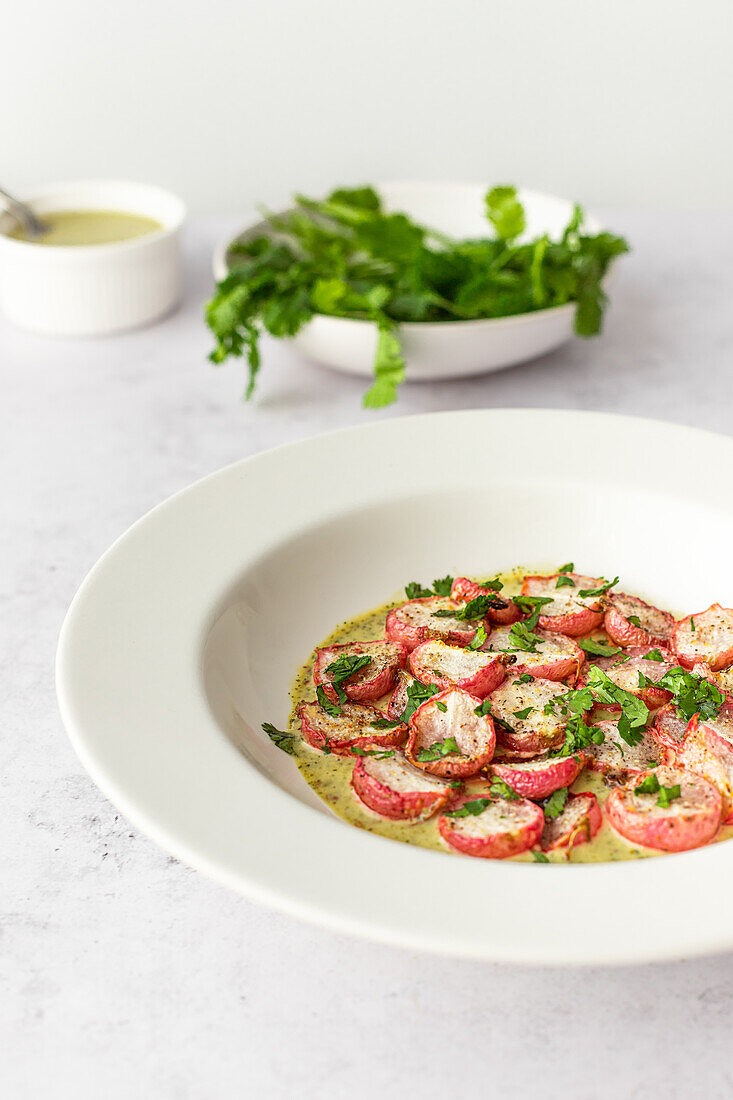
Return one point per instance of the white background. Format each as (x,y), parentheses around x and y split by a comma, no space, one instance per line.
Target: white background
(235,102)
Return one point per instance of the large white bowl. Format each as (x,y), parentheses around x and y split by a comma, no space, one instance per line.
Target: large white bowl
(186,636)
(91,290)
(447,349)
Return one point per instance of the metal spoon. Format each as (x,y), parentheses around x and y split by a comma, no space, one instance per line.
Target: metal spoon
(32,225)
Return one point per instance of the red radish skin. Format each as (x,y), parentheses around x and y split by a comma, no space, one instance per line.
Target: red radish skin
(556,658)
(711,640)
(538,778)
(503,829)
(624,670)
(464,590)
(395,789)
(414,622)
(669,727)
(707,750)
(577,823)
(446,666)
(398,699)
(537,732)
(569,613)
(451,713)
(370,683)
(688,822)
(655,629)
(353,727)
(618,759)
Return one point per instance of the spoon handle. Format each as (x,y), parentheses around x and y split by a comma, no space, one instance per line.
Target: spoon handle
(23,214)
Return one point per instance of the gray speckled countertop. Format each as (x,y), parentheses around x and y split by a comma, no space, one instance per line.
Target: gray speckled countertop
(126,975)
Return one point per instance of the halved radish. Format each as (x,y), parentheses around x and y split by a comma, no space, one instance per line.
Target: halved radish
(501,829)
(520,708)
(706,636)
(434,662)
(555,658)
(669,727)
(464,590)
(398,700)
(635,673)
(707,750)
(723,678)
(569,613)
(450,715)
(353,726)
(369,683)
(650,626)
(415,622)
(577,823)
(538,778)
(689,821)
(617,758)
(394,788)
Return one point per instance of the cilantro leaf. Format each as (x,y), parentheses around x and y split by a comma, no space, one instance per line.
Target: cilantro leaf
(555,804)
(442,586)
(692,694)
(505,212)
(389,370)
(284,741)
(634,712)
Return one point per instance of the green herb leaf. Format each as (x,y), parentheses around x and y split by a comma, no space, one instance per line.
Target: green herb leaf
(438,750)
(555,804)
(523,713)
(539,857)
(668,795)
(648,785)
(389,370)
(378,754)
(601,588)
(565,582)
(479,638)
(569,567)
(442,586)
(441,706)
(534,605)
(483,708)
(653,655)
(417,694)
(501,789)
(525,678)
(284,741)
(634,712)
(505,212)
(692,694)
(386,724)
(328,705)
(415,591)
(598,649)
(470,809)
(634,620)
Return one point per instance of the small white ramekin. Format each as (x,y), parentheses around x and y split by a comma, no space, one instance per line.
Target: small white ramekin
(88,290)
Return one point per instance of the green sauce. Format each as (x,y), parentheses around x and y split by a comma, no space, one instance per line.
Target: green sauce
(85,227)
(330,775)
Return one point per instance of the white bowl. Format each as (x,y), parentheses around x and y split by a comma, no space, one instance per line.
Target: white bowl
(88,290)
(446,349)
(187,634)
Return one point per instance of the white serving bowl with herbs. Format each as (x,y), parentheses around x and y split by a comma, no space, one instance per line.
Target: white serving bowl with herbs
(498,277)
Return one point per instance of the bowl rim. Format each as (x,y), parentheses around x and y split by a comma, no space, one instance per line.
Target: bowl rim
(221,269)
(196,830)
(169,228)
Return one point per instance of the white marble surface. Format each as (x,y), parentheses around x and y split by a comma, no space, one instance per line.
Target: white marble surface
(125,974)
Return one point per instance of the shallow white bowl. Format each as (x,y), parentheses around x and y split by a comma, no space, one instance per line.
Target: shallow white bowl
(187,634)
(89,290)
(447,349)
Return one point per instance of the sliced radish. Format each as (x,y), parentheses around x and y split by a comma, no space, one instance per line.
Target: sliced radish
(464,590)
(450,715)
(708,750)
(626,668)
(617,758)
(520,708)
(555,658)
(538,778)
(569,613)
(369,683)
(650,626)
(669,727)
(687,822)
(416,622)
(577,823)
(393,788)
(353,726)
(447,666)
(706,636)
(501,829)
(398,700)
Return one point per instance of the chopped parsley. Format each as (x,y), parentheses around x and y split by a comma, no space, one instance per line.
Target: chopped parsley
(563,581)
(555,804)
(634,711)
(470,809)
(479,638)
(284,741)
(441,587)
(494,585)
(477,608)
(438,750)
(634,620)
(692,694)
(344,668)
(522,639)
(651,785)
(668,794)
(378,754)
(525,678)
(567,568)
(328,704)
(653,655)
(539,857)
(573,706)
(523,713)
(502,790)
(601,588)
(598,649)
(441,706)
(692,622)
(532,605)
(483,708)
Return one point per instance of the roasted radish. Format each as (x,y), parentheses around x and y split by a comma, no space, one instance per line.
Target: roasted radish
(375,665)
(552,656)
(392,787)
(670,809)
(493,827)
(447,666)
(464,590)
(629,621)
(706,636)
(707,749)
(449,736)
(351,725)
(577,822)
(538,778)
(529,724)
(637,671)
(416,621)
(572,610)
(616,757)
(669,727)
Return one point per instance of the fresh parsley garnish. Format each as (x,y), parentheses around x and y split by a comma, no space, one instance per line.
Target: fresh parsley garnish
(573,707)
(525,678)
(441,706)
(668,795)
(501,789)
(378,754)
(347,256)
(692,694)
(648,785)
(479,637)
(494,585)
(653,655)
(539,857)
(284,741)
(328,704)
(598,649)
(555,804)
(438,750)
(634,711)
(651,785)
(483,708)
(523,713)
(634,620)
(601,588)
(563,581)
(441,587)
(477,608)
(692,622)
(567,568)
(417,694)
(470,809)
(522,639)
(386,723)
(344,668)
(532,605)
